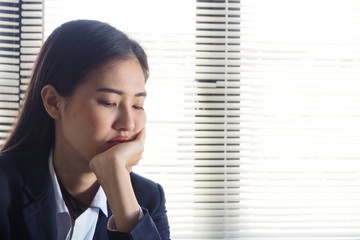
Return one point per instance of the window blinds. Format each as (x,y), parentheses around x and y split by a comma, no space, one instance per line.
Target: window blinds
(216,119)
(300,109)
(20,39)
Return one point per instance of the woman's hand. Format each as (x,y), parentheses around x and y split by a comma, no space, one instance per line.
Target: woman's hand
(112,169)
(123,155)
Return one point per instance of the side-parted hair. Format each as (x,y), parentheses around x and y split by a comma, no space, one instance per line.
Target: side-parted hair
(72,51)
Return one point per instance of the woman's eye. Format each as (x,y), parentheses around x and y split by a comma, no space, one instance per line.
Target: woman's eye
(107,104)
(136,107)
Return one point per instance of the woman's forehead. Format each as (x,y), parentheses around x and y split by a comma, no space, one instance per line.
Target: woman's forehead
(117,74)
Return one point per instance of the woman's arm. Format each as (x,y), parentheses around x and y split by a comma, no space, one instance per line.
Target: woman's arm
(112,169)
(154,225)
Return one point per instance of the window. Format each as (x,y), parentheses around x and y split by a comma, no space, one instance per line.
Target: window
(253,108)
(20,40)
(299,167)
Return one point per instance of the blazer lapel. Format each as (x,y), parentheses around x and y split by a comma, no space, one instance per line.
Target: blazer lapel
(101,229)
(101,232)
(40,218)
(40,214)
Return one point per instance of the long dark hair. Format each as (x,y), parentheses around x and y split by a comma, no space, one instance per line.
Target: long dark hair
(72,51)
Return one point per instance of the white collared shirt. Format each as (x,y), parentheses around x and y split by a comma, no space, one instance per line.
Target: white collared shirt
(85,225)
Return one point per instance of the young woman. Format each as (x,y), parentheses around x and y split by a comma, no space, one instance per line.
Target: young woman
(66,168)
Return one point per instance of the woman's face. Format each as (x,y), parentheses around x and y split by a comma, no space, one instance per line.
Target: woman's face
(106,109)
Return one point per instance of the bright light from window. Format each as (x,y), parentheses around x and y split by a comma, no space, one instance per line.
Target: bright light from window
(300,94)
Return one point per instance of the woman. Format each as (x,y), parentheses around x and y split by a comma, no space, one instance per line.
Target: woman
(65,170)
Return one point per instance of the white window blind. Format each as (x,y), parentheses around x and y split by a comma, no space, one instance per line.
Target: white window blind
(299,119)
(20,40)
(216,119)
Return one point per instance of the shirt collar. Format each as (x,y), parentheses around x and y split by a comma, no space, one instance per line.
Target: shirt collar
(99,200)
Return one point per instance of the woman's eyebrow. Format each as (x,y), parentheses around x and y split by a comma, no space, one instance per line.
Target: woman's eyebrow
(119,92)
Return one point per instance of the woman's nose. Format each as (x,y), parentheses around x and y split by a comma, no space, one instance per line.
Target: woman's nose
(124,120)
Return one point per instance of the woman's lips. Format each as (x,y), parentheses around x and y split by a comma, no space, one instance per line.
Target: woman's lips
(119,140)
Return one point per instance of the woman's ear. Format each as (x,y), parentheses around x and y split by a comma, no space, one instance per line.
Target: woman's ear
(51,100)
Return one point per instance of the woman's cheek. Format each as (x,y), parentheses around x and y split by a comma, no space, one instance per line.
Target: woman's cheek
(99,124)
(140,121)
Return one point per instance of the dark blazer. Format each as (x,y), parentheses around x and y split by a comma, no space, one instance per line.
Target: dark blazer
(28,211)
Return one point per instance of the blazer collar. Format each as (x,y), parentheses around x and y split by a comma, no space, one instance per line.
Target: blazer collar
(40,214)
(40,218)
(36,175)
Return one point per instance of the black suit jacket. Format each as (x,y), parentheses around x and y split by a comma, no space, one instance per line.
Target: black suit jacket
(28,211)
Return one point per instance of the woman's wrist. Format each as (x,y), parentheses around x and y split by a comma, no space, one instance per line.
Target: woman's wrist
(123,202)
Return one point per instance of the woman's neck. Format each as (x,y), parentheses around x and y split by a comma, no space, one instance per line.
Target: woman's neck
(74,175)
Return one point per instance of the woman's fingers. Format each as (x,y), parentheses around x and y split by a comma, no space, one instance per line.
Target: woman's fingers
(124,155)
(140,140)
